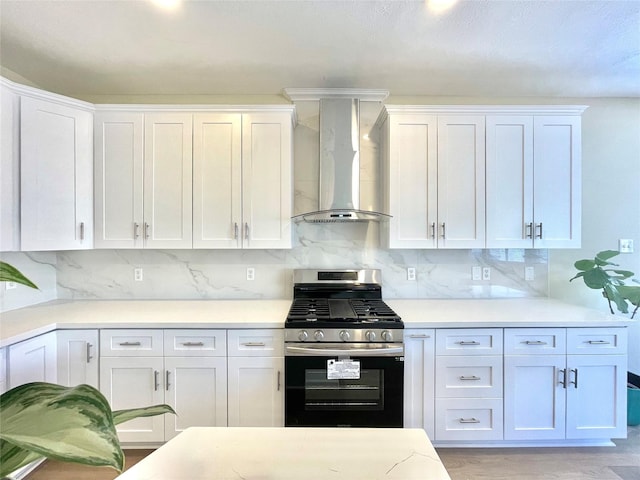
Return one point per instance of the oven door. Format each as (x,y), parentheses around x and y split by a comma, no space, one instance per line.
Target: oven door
(337,385)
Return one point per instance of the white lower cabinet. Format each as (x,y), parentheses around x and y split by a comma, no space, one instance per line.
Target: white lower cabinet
(256,378)
(182,368)
(565,390)
(33,360)
(3,370)
(77,357)
(419,387)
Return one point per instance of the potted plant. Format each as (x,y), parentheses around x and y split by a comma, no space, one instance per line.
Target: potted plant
(599,274)
(69,424)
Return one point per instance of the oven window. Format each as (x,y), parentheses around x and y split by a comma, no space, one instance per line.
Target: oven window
(365,393)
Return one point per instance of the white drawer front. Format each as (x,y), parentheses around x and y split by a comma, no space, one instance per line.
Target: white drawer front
(469,341)
(256,343)
(596,340)
(535,341)
(469,419)
(476,376)
(195,343)
(131,343)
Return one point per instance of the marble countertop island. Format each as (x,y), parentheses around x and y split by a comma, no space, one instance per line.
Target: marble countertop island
(220,453)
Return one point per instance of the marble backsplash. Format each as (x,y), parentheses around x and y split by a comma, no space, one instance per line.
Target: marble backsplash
(221,274)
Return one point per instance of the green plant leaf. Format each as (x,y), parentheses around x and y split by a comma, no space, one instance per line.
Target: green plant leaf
(621,273)
(631,293)
(614,295)
(121,416)
(596,278)
(606,254)
(584,264)
(14,457)
(9,273)
(71,424)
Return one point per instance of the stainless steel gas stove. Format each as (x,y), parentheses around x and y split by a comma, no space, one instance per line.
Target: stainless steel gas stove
(343,352)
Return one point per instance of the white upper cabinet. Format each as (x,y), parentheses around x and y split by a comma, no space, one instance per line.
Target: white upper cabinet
(119,156)
(56,151)
(482,176)
(435,166)
(533,181)
(168,180)
(9,170)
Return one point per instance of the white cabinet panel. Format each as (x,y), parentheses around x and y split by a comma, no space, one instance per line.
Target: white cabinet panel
(196,388)
(469,341)
(56,154)
(9,170)
(119,149)
(469,376)
(3,370)
(195,343)
(256,391)
(535,341)
(33,360)
(131,343)
(419,386)
(77,357)
(468,419)
(256,343)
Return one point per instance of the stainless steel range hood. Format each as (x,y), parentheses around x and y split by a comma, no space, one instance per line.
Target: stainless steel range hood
(339,190)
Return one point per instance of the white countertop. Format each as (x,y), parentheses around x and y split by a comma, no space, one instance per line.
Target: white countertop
(27,322)
(220,453)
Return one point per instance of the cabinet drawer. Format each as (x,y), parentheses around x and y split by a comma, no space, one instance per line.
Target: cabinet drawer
(131,343)
(469,419)
(535,341)
(470,341)
(256,343)
(475,376)
(596,340)
(195,343)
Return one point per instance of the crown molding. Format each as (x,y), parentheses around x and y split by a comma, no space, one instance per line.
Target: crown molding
(315,94)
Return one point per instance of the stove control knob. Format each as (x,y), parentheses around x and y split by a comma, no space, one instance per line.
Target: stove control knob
(318,335)
(370,335)
(303,335)
(387,336)
(344,335)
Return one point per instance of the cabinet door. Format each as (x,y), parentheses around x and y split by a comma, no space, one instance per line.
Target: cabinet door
(596,396)
(419,371)
(119,142)
(534,397)
(77,357)
(557,181)
(509,181)
(412,171)
(56,176)
(33,360)
(217,180)
(133,383)
(266,180)
(256,391)
(3,370)
(168,180)
(461,181)
(196,388)
(9,170)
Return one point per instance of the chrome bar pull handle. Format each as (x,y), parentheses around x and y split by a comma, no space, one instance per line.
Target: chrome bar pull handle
(193,344)
(246,231)
(81,230)
(598,342)
(472,342)
(575,378)
(535,342)
(419,335)
(539,228)
(89,357)
(136,227)
(235,230)
(469,420)
(146,230)
(433,230)
(563,382)
(472,377)
(279,375)
(444,230)
(166,380)
(155,380)
(130,344)
(528,230)
(253,344)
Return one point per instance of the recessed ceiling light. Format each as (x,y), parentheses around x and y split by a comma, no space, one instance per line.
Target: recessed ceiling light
(167,4)
(440,6)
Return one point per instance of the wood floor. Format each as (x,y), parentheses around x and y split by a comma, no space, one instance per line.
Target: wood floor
(621,462)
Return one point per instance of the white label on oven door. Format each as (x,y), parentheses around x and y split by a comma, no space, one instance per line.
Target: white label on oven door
(343,369)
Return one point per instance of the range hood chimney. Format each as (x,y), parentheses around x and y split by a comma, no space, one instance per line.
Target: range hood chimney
(339,190)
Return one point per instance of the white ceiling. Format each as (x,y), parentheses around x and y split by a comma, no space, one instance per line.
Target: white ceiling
(479,48)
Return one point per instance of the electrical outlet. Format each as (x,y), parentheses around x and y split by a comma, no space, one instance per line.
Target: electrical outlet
(411,273)
(476,273)
(486,273)
(529,274)
(251,273)
(10,285)
(625,245)
(137,274)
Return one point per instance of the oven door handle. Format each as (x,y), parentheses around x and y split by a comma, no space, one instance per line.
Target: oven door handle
(385,350)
